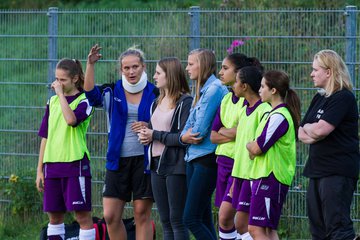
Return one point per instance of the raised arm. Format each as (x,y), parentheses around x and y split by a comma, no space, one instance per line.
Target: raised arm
(93,57)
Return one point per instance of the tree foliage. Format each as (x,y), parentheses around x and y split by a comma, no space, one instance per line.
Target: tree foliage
(286,4)
(165,4)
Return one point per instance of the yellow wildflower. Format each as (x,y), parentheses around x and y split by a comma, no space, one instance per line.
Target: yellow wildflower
(13,178)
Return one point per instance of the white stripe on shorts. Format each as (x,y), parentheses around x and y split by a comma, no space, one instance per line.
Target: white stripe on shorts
(82,187)
(267,205)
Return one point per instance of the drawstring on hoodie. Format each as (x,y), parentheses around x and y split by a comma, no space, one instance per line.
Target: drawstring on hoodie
(180,106)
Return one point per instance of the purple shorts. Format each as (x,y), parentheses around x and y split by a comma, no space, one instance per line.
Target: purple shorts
(67,194)
(241,195)
(266,202)
(224,180)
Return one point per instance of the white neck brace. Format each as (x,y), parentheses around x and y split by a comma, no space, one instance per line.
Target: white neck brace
(321,91)
(137,87)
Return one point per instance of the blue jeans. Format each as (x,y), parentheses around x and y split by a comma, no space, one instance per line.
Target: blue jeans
(201,181)
(170,195)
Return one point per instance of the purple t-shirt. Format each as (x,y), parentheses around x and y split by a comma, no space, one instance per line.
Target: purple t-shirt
(276,126)
(217,124)
(76,168)
(250,110)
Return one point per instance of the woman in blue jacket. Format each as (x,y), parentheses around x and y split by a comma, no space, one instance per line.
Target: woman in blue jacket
(127,103)
(201,169)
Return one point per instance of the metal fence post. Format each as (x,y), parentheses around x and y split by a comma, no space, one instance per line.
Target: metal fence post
(52,48)
(350,56)
(194,27)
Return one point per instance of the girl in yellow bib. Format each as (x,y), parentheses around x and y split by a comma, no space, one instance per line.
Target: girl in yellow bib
(274,155)
(223,133)
(247,86)
(63,172)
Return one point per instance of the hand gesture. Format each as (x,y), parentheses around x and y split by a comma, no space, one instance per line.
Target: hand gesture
(94,54)
(191,138)
(137,126)
(145,136)
(57,87)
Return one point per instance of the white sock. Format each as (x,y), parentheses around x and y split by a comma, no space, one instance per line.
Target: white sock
(230,235)
(246,236)
(88,234)
(238,236)
(56,230)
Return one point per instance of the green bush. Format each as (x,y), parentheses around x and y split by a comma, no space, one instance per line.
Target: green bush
(24,199)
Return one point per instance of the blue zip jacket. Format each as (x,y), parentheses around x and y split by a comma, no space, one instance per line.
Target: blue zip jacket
(112,98)
(201,117)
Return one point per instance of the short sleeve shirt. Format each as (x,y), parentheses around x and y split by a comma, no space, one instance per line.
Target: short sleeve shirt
(337,153)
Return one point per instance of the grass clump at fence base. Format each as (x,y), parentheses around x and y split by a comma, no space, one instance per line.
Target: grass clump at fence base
(22,194)
(20,217)
(18,228)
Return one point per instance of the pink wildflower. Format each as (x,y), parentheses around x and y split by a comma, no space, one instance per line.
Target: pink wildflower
(237,43)
(230,50)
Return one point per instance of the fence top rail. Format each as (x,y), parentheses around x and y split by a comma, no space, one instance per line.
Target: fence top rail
(207,11)
(222,10)
(22,11)
(172,36)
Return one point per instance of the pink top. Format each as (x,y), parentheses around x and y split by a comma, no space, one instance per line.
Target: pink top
(160,121)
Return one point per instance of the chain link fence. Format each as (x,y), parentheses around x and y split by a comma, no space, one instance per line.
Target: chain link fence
(33,41)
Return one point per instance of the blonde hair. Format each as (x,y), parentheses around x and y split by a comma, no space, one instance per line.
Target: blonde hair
(132,51)
(207,67)
(340,77)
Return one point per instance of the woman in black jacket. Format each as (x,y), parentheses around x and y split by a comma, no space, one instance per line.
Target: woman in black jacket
(169,114)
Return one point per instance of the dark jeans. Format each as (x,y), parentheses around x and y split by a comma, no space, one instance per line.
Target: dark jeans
(328,201)
(170,195)
(201,181)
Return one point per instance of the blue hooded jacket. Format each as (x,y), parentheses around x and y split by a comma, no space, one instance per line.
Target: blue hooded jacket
(112,98)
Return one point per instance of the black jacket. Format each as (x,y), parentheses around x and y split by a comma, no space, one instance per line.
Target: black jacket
(172,160)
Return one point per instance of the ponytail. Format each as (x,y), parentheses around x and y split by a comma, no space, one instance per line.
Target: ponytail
(281,82)
(81,77)
(293,104)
